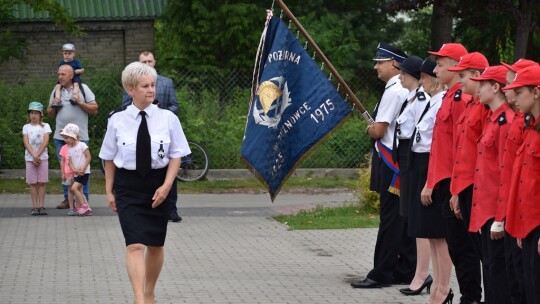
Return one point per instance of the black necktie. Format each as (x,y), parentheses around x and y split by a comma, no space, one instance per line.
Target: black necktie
(143,157)
(396,130)
(414,137)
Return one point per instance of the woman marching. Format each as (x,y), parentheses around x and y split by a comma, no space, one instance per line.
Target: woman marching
(523,213)
(140,166)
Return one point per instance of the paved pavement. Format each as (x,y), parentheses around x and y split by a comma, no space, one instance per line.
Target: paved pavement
(227,249)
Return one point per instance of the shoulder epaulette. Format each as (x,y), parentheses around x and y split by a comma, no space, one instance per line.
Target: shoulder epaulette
(161,106)
(457,95)
(116,111)
(502,119)
(421,96)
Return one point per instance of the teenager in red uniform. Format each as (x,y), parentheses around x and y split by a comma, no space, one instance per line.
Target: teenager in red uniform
(487,179)
(514,139)
(440,171)
(468,129)
(523,212)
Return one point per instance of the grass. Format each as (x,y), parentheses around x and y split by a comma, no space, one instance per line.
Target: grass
(350,216)
(251,185)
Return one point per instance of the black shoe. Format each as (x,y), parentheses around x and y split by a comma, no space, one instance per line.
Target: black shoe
(173,216)
(449,297)
(368,283)
(427,283)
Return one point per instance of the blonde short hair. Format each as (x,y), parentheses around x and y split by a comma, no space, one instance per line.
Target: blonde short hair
(133,72)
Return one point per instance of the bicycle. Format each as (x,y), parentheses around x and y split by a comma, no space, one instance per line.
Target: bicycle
(193,167)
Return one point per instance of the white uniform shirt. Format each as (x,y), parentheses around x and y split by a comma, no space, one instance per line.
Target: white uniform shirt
(166,134)
(424,128)
(388,108)
(408,118)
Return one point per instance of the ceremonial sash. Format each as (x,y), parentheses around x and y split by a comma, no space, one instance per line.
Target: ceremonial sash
(386,155)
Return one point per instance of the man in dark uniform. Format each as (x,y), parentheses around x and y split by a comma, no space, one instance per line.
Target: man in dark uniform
(395,252)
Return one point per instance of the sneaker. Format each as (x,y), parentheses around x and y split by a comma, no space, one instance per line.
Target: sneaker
(83,209)
(173,216)
(42,211)
(63,205)
(72,212)
(34,211)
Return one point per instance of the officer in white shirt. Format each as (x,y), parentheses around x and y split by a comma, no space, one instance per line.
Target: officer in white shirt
(394,258)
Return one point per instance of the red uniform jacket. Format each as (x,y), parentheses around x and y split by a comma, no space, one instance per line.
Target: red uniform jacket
(488,167)
(523,214)
(468,129)
(443,142)
(514,139)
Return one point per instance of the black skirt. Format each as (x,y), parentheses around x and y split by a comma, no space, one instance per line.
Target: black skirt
(141,224)
(423,221)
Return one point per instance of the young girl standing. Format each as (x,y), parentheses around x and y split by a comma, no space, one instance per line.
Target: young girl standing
(523,213)
(36,138)
(67,177)
(79,163)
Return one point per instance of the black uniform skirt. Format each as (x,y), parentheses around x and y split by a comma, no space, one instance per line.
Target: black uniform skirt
(423,221)
(404,154)
(141,224)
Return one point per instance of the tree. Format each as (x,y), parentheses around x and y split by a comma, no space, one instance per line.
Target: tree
(502,30)
(13,47)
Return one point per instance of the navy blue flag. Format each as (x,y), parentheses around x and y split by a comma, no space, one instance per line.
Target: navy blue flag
(294,107)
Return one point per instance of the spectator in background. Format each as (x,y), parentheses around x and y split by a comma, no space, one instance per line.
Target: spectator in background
(36,139)
(74,108)
(166,98)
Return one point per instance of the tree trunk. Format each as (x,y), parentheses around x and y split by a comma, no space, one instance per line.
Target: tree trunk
(441,25)
(523,29)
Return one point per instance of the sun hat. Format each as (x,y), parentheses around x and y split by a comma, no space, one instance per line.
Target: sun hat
(71,130)
(35,106)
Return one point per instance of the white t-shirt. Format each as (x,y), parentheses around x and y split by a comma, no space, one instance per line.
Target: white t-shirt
(388,108)
(35,138)
(76,155)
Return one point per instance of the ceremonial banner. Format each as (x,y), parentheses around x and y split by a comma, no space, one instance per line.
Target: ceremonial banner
(294,106)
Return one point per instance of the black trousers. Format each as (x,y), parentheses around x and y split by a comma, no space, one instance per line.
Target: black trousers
(531,266)
(493,257)
(460,246)
(395,252)
(514,270)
